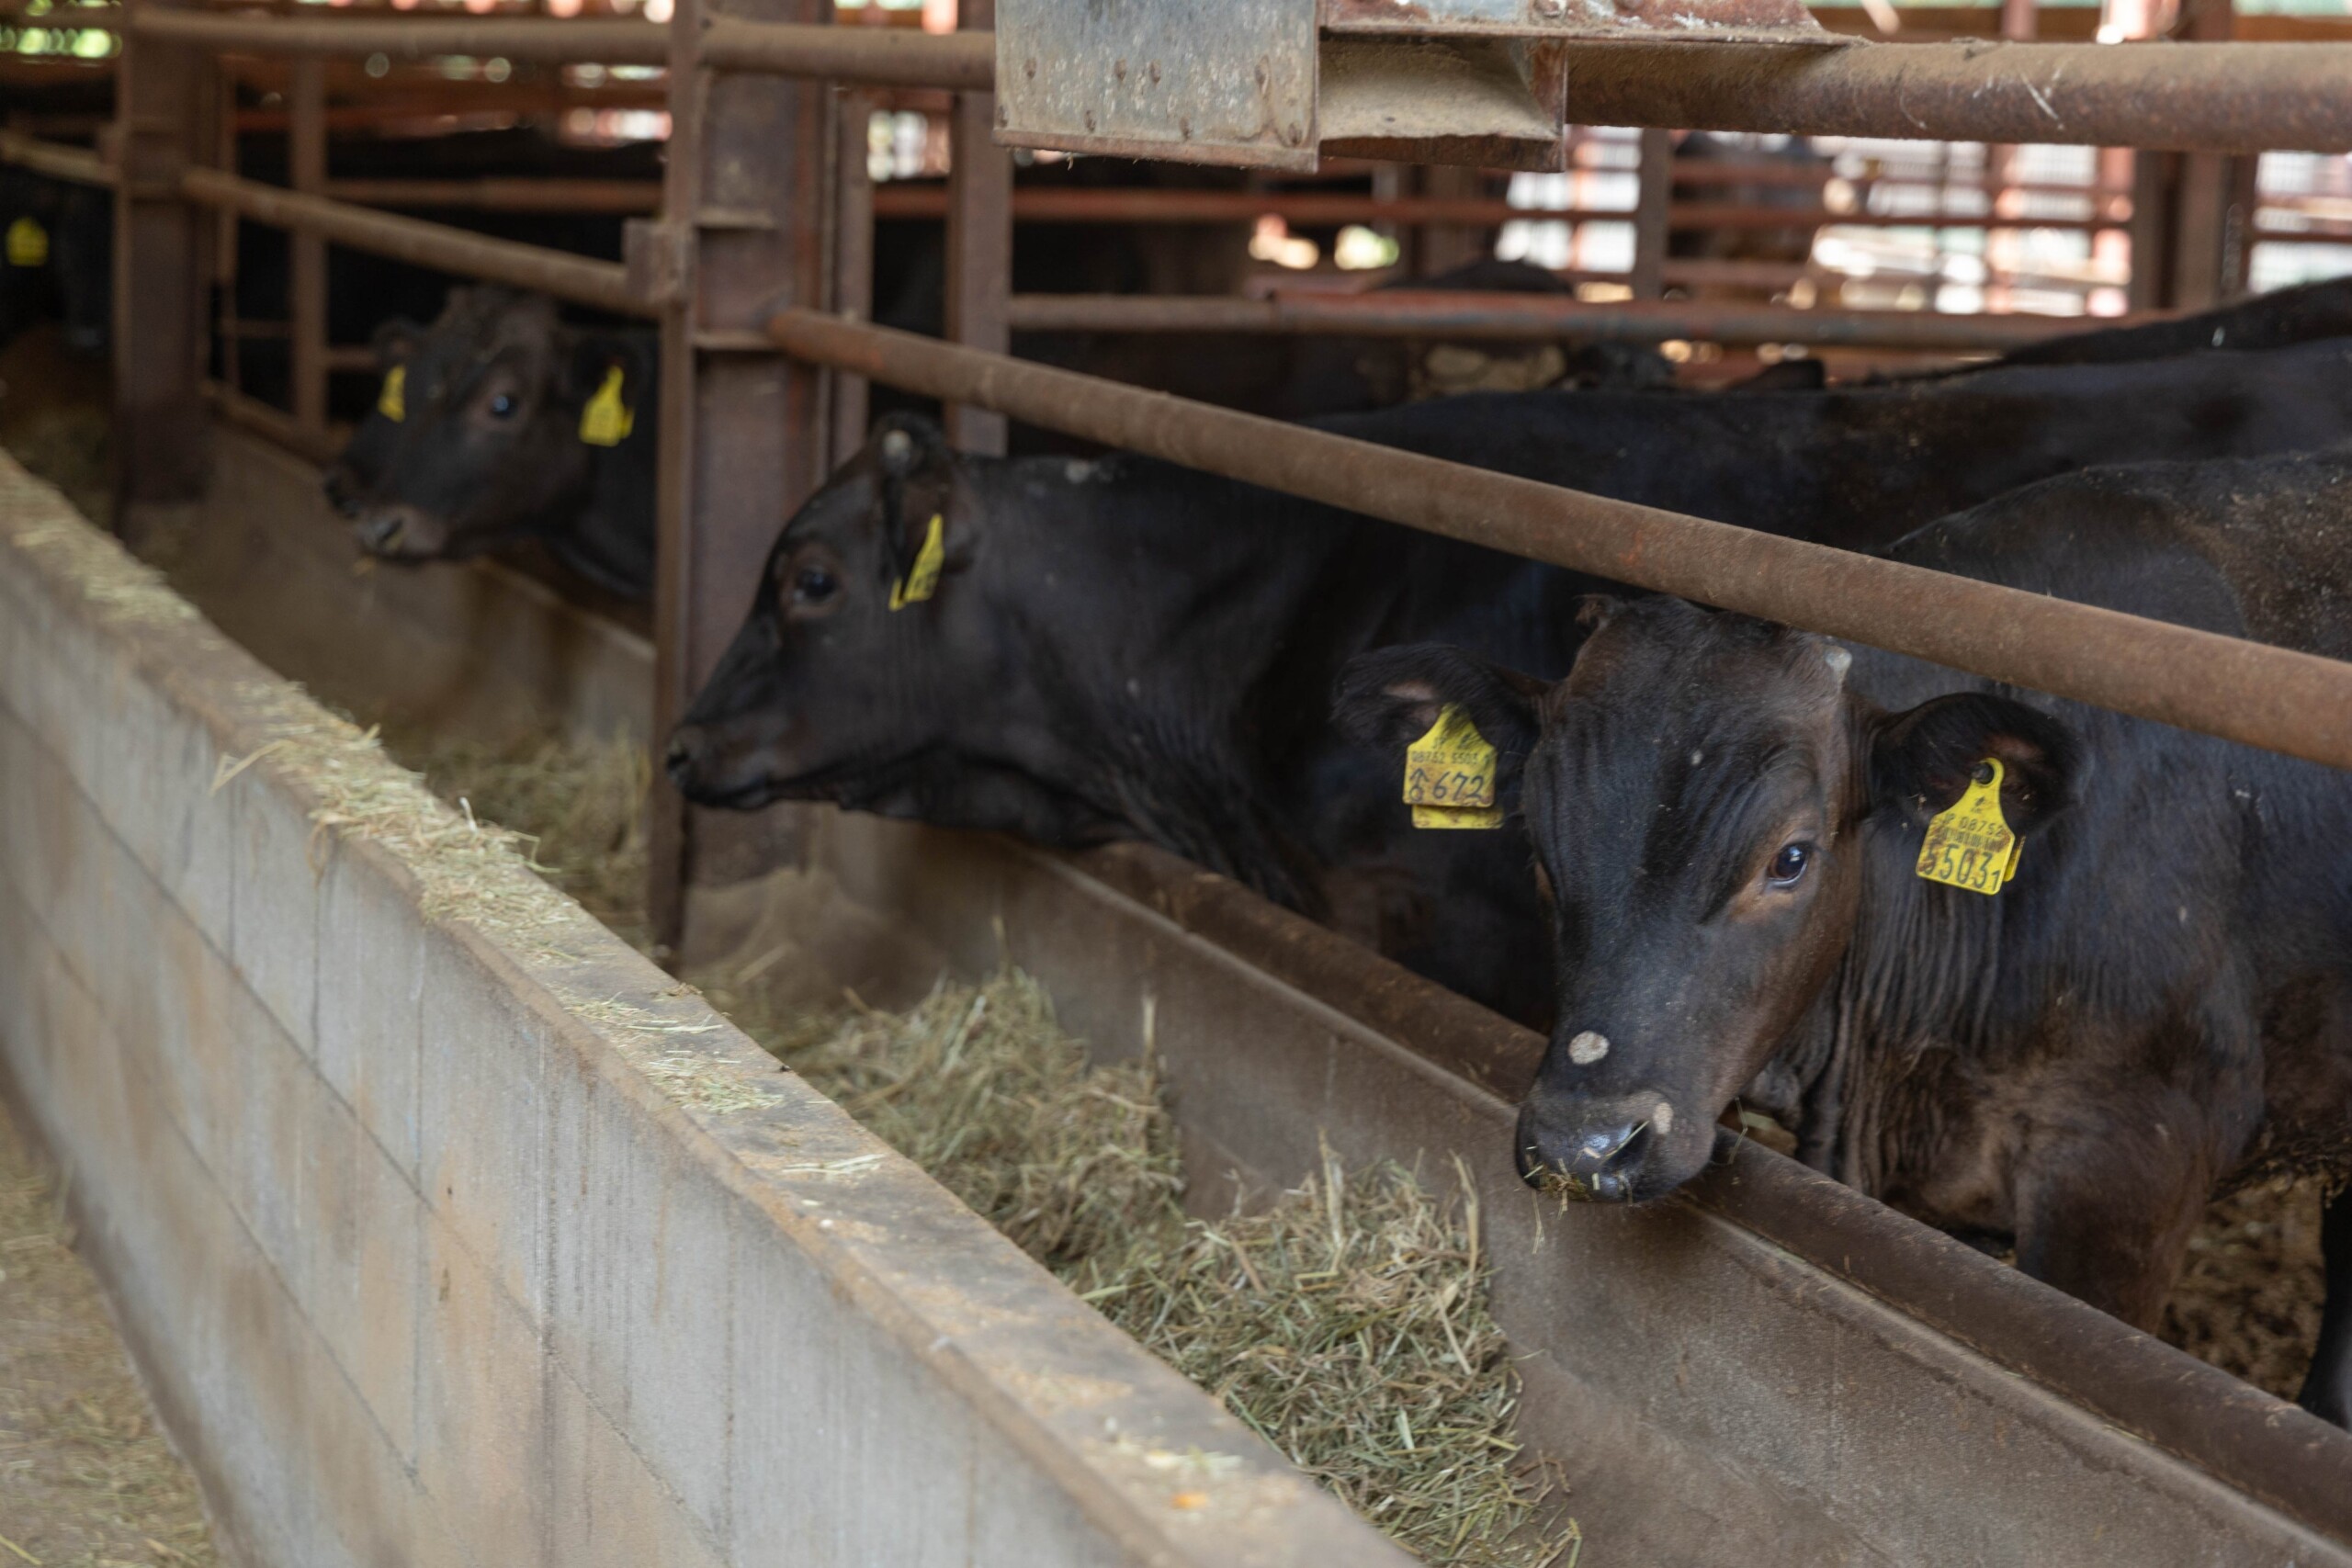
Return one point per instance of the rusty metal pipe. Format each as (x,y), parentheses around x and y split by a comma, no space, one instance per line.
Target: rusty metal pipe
(866,57)
(505,195)
(519,37)
(1400,312)
(604,285)
(55,160)
(2216,98)
(2281,701)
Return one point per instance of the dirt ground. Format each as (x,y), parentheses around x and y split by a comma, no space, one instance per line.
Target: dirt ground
(87,1480)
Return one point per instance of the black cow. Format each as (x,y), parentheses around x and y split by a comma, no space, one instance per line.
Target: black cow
(56,257)
(511,426)
(2288,316)
(1730,818)
(1004,703)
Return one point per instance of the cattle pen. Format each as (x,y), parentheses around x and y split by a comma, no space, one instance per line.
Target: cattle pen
(447,1229)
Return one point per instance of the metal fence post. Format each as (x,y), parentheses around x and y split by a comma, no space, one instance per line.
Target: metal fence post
(980,241)
(163,99)
(306,136)
(1653,202)
(744,228)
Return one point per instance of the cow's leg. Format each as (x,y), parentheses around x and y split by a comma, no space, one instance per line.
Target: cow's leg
(2109,1224)
(2327,1390)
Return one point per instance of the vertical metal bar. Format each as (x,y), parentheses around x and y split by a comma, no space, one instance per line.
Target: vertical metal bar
(745,226)
(980,241)
(2201,264)
(307,253)
(230,345)
(163,95)
(853,261)
(1654,197)
(2152,192)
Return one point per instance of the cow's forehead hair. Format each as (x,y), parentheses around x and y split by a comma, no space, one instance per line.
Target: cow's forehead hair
(847,498)
(479,324)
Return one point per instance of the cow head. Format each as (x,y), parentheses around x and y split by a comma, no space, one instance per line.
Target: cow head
(375,438)
(827,687)
(487,446)
(1706,797)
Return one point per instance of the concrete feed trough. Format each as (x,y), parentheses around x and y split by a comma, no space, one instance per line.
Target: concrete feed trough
(1771,1368)
(447,1232)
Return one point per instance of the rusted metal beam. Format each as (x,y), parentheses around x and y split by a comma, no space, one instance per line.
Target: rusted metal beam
(166,99)
(2225,97)
(421,38)
(979,243)
(307,252)
(853,261)
(1399,312)
(2274,698)
(505,195)
(604,285)
(1141,206)
(1653,214)
(866,57)
(57,161)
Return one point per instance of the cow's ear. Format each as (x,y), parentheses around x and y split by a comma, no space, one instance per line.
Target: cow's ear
(1923,759)
(1390,698)
(595,356)
(917,468)
(395,341)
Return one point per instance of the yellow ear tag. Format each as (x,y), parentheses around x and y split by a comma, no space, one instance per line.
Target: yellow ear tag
(1450,775)
(392,401)
(606,421)
(1969,845)
(923,580)
(27,243)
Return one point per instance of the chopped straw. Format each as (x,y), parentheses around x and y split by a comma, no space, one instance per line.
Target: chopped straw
(1346,1323)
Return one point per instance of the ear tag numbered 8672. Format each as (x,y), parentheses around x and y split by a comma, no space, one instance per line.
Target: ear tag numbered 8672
(922,579)
(1450,775)
(1969,844)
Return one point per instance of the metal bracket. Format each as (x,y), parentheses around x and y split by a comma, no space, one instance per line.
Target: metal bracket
(660,258)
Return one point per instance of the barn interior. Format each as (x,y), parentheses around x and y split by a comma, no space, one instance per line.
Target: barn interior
(1110,1101)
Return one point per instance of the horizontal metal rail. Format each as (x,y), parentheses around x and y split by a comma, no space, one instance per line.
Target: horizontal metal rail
(2213,98)
(2225,97)
(604,285)
(522,38)
(1509,318)
(1141,206)
(2271,697)
(863,57)
(54,159)
(505,195)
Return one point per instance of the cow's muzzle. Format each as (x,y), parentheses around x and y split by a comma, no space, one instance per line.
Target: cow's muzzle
(401,533)
(1592,1151)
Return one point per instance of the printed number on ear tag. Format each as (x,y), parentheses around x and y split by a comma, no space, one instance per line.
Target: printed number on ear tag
(392,401)
(922,581)
(1450,775)
(1969,844)
(27,243)
(606,421)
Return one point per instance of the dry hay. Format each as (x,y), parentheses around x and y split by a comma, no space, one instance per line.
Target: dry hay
(1346,1323)
(2249,1298)
(86,1479)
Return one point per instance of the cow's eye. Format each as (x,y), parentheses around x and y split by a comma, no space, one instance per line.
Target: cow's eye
(1788,866)
(502,406)
(814,585)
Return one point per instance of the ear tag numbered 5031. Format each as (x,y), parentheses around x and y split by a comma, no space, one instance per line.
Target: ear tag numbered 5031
(923,581)
(1450,775)
(606,421)
(1969,844)
(392,401)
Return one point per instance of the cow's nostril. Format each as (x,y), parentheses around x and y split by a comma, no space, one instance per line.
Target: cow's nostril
(681,755)
(382,533)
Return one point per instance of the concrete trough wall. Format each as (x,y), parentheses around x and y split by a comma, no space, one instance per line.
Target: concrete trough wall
(447,1232)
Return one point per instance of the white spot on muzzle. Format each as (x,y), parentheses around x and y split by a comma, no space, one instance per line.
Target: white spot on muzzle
(1662,1118)
(1587,1049)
